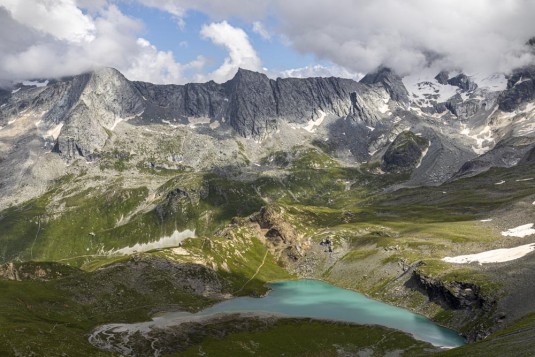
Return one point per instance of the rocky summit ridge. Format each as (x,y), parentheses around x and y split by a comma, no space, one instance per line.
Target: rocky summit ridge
(470,123)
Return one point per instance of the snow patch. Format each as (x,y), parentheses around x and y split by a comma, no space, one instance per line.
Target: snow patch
(484,136)
(526,129)
(169,123)
(3,105)
(15,91)
(493,256)
(55,131)
(165,242)
(422,157)
(526,179)
(119,119)
(486,220)
(494,82)
(425,87)
(312,124)
(371,128)
(500,183)
(196,121)
(35,83)
(520,231)
(383,105)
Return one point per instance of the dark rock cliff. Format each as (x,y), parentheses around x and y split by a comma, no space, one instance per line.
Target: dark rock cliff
(458,296)
(520,89)
(404,153)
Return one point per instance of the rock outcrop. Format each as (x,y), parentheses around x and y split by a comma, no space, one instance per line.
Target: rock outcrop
(404,153)
(280,237)
(391,82)
(463,82)
(520,89)
(35,271)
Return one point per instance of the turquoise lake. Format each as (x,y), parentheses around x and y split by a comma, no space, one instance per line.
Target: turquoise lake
(316,299)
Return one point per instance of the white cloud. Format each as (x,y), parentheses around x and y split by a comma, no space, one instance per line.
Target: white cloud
(107,37)
(217,9)
(478,35)
(91,5)
(315,71)
(240,51)
(360,35)
(156,66)
(260,29)
(175,8)
(47,38)
(61,18)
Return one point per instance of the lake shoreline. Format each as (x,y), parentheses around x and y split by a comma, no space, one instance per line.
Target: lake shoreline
(292,299)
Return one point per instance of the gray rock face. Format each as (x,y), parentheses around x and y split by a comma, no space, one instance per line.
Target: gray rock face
(520,89)
(250,103)
(391,82)
(257,103)
(404,153)
(295,96)
(82,134)
(463,81)
(506,153)
(443,77)
(462,108)
(177,102)
(253,108)
(95,103)
(529,158)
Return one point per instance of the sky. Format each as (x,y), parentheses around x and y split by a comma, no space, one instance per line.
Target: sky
(180,41)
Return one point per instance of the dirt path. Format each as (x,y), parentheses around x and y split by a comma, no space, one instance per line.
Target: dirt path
(254,275)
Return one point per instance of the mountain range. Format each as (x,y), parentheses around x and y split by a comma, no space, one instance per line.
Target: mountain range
(118,194)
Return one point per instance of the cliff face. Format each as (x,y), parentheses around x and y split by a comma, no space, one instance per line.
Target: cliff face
(520,89)
(251,103)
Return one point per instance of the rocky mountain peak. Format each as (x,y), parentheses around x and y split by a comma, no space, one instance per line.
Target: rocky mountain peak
(443,77)
(463,82)
(391,82)
(246,74)
(520,89)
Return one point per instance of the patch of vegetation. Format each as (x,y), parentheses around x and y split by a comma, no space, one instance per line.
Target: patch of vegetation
(241,259)
(305,337)
(117,160)
(53,318)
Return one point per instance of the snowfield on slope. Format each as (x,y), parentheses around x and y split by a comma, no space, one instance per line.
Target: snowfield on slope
(165,242)
(520,231)
(493,256)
